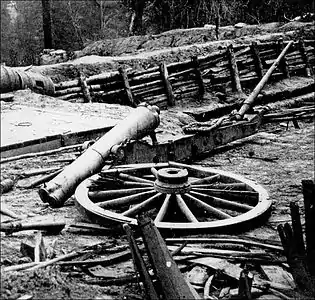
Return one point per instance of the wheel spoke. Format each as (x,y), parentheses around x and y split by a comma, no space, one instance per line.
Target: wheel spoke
(134,178)
(125,200)
(184,209)
(208,179)
(154,172)
(141,206)
(221,202)
(210,209)
(245,196)
(223,186)
(162,212)
(110,194)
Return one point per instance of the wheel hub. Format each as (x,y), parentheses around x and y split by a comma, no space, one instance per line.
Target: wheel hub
(172,181)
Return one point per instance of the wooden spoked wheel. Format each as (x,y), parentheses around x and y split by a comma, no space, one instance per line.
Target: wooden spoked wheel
(174,195)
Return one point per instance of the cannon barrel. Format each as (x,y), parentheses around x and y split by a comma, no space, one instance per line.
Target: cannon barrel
(141,122)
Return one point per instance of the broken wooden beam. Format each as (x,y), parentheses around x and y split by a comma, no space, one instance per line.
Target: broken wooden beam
(140,265)
(52,227)
(173,284)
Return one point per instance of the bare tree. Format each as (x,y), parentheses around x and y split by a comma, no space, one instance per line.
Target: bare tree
(48,40)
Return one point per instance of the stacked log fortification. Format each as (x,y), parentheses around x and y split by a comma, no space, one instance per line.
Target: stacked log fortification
(232,69)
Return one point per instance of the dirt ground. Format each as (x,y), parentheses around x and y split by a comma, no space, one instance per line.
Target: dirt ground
(292,151)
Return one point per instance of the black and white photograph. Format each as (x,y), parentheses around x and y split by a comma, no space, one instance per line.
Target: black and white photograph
(157,149)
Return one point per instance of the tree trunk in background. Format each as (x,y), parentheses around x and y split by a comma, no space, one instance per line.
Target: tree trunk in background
(48,43)
(136,24)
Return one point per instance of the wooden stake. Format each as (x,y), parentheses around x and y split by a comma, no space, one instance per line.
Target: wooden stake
(308,70)
(167,84)
(124,77)
(85,89)
(257,60)
(283,63)
(235,78)
(198,75)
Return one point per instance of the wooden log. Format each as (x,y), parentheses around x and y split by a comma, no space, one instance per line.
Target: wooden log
(305,58)
(173,284)
(85,89)
(140,265)
(167,84)
(104,77)
(283,65)
(53,227)
(66,85)
(198,76)
(181,74)
(67,91)
(257,60)
(250,100)
(147,85)
(71,96)
(124,77)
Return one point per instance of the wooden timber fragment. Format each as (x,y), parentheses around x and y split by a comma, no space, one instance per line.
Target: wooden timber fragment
(245,285)
(198,76)
(85,88)
(124,77)
(257,60)
(236,83)
(173,284)
(283,63)
(309,206)
(140,265)
(293,244)
(251,98)
(308,70)
(53,227)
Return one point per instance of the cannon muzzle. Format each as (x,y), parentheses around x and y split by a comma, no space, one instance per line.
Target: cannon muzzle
(141,122)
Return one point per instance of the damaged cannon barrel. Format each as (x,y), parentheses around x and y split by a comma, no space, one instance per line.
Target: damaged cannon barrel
(141,122)
(13,79)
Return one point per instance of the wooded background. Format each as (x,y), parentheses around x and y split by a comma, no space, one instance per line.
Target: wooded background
(75,23)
